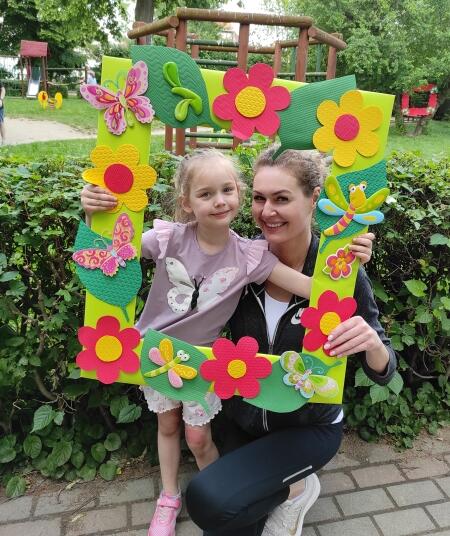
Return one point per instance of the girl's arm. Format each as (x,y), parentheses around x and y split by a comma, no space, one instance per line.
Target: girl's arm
(95,199)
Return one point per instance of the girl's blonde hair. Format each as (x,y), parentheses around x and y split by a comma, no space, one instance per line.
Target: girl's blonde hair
(187,170)
(307,167)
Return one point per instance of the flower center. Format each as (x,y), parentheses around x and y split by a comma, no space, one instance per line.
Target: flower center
(346,127)
(108,348)
(250,102)
(118,178)
(341,264)
(237,368)
(328,322)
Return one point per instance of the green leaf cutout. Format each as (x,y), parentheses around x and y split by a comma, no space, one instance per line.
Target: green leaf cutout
(173,74)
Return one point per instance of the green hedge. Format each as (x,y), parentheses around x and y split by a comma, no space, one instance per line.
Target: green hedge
(14,88)
(72,428)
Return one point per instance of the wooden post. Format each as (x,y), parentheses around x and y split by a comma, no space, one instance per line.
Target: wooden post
(302,55)
(180,44)
(331,63)
(277,59)
(141,40)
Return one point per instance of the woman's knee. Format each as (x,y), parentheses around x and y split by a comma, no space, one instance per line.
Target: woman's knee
(203,502)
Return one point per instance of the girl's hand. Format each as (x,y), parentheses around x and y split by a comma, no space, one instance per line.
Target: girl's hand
(352,336)
(361,246)
(95,199)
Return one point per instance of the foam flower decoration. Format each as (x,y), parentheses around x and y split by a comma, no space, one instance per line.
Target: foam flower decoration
(251,101)
(321,320)
(120,173)
(348,128)
(108,349)
(340,264)
(235,368)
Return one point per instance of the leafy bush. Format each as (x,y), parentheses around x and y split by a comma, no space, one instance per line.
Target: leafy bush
(71,428)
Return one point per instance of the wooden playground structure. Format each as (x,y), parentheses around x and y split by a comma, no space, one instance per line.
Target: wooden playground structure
(175,31)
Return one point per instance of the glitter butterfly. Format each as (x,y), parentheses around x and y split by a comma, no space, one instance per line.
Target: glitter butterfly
(121,106)
(109,258)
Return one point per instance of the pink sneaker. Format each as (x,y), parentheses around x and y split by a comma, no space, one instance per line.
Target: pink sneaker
(165,516)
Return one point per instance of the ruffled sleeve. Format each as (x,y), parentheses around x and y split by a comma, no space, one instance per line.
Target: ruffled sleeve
(255,253)
(163,230)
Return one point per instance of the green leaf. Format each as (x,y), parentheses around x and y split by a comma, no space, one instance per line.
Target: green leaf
(423,316)
(181,109)
(42,417)
(58,419)
(7,454)
(108,470)
(438,239)
(32,446)
(129,413)
(360,412)
(379,291)
(396,384)
(416,288)
(87,473)
(8,276)
(95,431)
(117,404)
(98,452)
(15,487)
(170,73)
(61,453)
(15,342)
(361,379)
(77,459)
(445,302)
(378,393)
(112,442)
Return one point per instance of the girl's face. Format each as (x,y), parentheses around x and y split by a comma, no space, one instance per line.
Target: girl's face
(213,194)
(279,207)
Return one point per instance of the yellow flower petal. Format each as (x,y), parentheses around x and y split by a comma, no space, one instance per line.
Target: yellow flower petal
(135,200)
(351,103)
(327,112)
(102,156)
(370,118)
(344,153)
(367,143)
(144,177)
(127,154)
(324,139)
(94,176)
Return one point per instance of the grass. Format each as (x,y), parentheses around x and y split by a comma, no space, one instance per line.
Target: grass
(435,142)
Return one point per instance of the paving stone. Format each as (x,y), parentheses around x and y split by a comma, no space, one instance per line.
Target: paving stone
(415,493)
(322,510)
(447,458)
(340,461)
(404,522)
(15,509)
(188,528)
(360,526)
(424,468)
(142,513)
(380,453)
(50,527)
(378,475)
(335,482)
(142,532)
(445,484)
(363,502)
(98,520)
(133,490)
(53,503)
(440,513)
(440,533)
(309,531)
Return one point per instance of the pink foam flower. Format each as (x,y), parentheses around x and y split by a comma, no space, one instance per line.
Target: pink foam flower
(251,101)
(108,349)
(339,264)
(321,320)
(235,368)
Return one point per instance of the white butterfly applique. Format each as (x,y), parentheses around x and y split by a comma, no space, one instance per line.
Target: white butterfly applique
(187,294)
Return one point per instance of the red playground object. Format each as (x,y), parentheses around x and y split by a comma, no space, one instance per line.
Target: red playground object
(425,111)
(36,76)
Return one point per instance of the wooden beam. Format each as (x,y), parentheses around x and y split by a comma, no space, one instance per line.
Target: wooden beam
(326,38)
(154,27)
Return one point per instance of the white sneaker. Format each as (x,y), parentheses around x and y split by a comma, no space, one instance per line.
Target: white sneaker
(287,519)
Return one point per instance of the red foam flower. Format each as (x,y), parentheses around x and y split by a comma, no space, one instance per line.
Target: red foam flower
(108,349)
(251,101)
(330,312)
(235,368)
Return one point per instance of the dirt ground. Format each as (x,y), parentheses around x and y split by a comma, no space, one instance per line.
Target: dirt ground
(19,130)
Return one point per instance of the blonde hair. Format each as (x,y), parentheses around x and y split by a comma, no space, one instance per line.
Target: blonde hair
(187,170)
(307,167)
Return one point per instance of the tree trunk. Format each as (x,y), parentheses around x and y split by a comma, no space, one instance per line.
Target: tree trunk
(143,12)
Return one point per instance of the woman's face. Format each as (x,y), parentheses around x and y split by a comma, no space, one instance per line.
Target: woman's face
(279,207)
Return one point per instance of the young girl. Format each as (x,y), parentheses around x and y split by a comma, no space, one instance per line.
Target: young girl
(201,268)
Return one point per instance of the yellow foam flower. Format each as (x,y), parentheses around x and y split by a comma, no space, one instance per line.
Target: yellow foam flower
(347,128)
(120,173)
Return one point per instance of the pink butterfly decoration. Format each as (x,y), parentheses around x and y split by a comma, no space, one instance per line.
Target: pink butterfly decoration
(120,105)
(109,259)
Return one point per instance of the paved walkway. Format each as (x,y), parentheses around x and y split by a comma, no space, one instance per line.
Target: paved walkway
(367,490)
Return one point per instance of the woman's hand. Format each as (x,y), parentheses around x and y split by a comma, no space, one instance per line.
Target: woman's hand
(361,246)
(355,335)
(95,199)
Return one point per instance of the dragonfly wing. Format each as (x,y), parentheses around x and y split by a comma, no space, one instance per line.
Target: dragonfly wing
(155,355)
(185,372)
(324,386)
(369,218)
(376,199)
(288,360)
(174,379)
(329,208)
(334,192)
(166,349)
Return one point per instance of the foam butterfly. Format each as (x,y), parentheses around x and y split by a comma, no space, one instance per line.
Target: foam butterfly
(306,376)
(110,257)
(164,356)
(121,106)
(188,294)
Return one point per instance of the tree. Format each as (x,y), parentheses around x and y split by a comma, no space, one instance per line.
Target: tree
(146,9)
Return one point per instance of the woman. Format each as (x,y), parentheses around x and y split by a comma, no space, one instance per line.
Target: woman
(271,458)
(2,113)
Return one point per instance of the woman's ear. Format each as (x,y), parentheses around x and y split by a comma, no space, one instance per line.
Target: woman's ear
(316,195)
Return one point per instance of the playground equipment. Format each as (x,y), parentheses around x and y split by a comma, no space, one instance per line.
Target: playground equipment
(174,29)
(420,114)
(44,100)
(36,75)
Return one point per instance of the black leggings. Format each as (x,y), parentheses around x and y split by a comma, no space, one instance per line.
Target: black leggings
(233,496)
